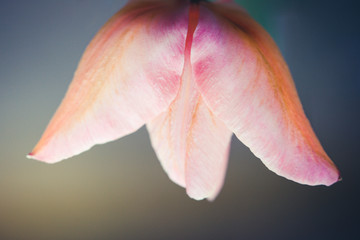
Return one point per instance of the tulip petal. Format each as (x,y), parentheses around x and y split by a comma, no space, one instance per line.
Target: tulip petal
(191,143)
(245,82)
(119,84)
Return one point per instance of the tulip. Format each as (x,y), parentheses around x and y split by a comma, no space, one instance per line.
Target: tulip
(194,72)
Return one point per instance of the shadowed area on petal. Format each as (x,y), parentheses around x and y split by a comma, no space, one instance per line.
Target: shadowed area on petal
(119,84)
(246,83)
(191,143)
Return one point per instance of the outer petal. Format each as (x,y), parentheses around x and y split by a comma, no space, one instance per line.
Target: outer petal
(119,84)
(246,83)
(191,143)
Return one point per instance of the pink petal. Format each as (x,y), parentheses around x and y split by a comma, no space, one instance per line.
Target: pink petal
(119,84)
(191,143)
(246,83)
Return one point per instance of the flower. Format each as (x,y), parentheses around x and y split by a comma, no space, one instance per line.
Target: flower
(194,72)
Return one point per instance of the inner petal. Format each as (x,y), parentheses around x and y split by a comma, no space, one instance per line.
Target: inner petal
(190,142)
(177,120)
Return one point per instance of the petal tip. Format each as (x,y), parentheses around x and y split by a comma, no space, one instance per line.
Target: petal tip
(195,195)
(34,156)
(30,156)
(337,178)
(199,196)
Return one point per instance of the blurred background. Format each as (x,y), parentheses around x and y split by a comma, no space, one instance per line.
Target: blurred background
(119,190)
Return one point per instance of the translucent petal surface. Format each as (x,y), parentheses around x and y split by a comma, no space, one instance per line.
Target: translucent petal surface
(120,84)
(191,143)
(246,83)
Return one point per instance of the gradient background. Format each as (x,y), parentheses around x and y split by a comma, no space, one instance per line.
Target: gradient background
(119,190)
